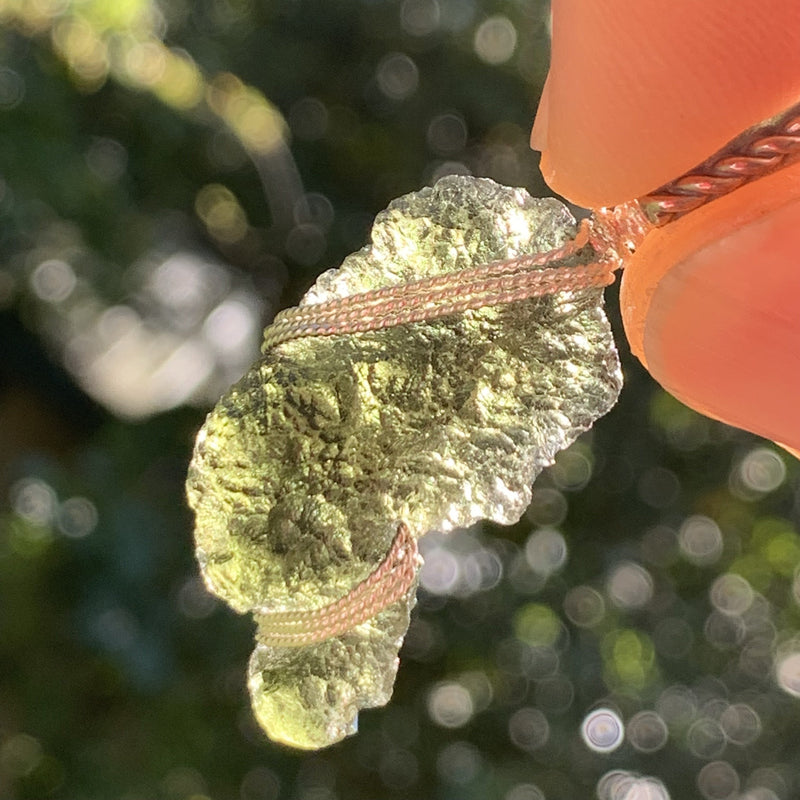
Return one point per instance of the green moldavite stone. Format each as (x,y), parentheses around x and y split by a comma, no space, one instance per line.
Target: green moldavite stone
(303,470)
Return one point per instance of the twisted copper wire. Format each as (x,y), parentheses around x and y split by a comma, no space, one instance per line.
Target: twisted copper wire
(759,151)
(496,283)
(389,582)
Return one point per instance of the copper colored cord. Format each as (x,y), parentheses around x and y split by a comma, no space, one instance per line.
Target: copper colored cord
(759,151)
(496,283)
(388,583)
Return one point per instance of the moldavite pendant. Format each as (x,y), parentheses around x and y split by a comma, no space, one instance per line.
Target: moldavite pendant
(315,474)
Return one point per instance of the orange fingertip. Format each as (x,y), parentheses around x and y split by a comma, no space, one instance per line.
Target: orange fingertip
(711,305)
(638,93)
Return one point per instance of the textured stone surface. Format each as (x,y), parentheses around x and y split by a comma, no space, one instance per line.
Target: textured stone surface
(303,470)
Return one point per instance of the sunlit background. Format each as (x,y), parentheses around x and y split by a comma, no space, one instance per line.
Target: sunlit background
(171,174)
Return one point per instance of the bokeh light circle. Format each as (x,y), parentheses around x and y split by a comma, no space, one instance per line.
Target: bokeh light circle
(528,729)
(787,672)
(700,540)
(34,500)
(450,705)
(602,730)
(629,586)
(677,705)
(495,40)
(53,280)
(397,76)
(459,763)
(584,606)
(447,133)
(706,738)
(440,572)
(741,724)
(647,731)
(420,17)
(621,784)
(761,471)
(524,791)
(77,517)
(718,781)
(731,594)
(546,551)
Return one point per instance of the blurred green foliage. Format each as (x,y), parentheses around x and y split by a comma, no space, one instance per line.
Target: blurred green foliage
(170,175)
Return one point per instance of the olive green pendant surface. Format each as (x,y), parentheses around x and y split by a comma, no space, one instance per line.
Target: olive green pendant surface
(305,468)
